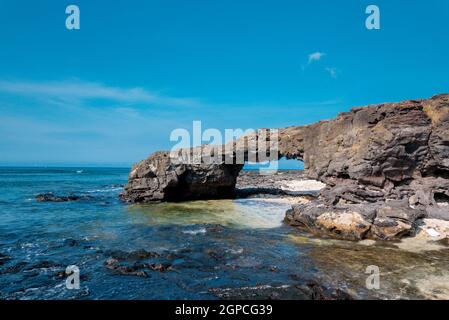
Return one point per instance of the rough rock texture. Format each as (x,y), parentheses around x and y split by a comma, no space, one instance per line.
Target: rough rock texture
(50,197)
(163,178)
(388,220)
(205,172)
(384,166)
(386,163)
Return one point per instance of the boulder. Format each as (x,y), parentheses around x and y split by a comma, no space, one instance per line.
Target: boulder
(165,178)
(380,221)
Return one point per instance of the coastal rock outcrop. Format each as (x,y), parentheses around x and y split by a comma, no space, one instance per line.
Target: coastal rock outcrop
(204,172)
(163,177)
(385,167)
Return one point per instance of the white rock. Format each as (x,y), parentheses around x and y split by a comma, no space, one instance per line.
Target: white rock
(432,232)
(302,185)
(433,229)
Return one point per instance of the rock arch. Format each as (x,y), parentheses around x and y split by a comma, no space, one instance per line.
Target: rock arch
(387,152)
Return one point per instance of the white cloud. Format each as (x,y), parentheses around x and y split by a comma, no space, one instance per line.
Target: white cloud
(316,56)
(79,90)
(333,72)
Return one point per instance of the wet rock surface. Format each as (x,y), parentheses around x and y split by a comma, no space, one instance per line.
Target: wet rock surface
(50,197)
(305,291)
(136,263)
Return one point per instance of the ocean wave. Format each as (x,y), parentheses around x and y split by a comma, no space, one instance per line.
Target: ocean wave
(113,189)
(195,232)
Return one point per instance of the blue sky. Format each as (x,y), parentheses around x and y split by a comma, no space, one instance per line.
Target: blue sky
(111,93)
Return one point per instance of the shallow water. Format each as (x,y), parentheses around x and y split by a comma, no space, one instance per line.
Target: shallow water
(208,249)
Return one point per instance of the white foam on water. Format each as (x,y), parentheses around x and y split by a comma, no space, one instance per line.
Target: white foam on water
(244,213)
(417,245)
(195,232)
(434,286)
(105,190)
(263,215)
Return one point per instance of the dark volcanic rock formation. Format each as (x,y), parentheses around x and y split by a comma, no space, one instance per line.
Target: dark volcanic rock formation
(165,178)
(385,166)
(205,172)
(50,197)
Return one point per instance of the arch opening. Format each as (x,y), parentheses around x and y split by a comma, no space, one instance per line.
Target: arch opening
(282,164)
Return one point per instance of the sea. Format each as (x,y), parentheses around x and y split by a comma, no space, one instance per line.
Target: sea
(223,249)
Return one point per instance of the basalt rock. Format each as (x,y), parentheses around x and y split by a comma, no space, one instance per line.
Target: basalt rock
(164,178)
(390,220)
(50,197)
(385,167)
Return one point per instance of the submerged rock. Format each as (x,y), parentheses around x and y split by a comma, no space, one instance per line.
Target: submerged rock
(16,268)
(307,291)
(134,263)
(4,259)
(50,197)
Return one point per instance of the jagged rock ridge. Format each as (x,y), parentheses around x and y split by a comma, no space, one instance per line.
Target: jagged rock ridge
(385,166)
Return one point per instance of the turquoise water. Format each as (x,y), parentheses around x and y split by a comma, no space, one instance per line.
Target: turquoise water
(194,250)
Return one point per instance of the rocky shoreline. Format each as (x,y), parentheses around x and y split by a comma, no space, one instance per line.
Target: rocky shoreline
(384,168)
(280,184)
(293,187)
